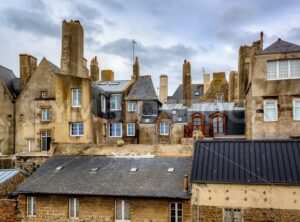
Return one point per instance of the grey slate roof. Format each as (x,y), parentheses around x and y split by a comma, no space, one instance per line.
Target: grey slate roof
(177,97)
(112,179)
(54,68)
(7,174)
(117,86)
(143,89)
(247,162)
(9,78)
(281,46)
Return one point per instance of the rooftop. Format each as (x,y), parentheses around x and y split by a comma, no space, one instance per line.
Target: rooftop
(202,107)
(177,97)
(116,86)
(143,89)
(281,46)
(7,174)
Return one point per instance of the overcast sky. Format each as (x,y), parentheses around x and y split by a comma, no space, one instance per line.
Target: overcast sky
(208,33)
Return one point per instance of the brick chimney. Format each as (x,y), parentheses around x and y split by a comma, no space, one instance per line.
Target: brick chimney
(163,88)
(206,81)
(186,183)
(136,70)
(94,69)
(107,75)
(28,65)
(72,49)
(187,83)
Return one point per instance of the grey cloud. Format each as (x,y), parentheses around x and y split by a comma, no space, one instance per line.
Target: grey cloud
(113,4)
(86,11)
(294,33)
(237,38)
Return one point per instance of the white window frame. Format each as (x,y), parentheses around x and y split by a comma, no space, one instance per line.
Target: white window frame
(277,70)
(294,109)
(76,97)
(163,125)
(74,202)
(78,129)
(123,212)
(115,136)
(276,109)
(176,210)
(44,134)
(44,94)
(232,209)
(46,115)
(31,206)
(111,100)
(131,106)
(103,103)
(128,125)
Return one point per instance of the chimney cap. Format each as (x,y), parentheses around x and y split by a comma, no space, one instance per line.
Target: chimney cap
(279,39)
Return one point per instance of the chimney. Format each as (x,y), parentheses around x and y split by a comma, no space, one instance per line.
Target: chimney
(186,183)
(107,75)
(206,80)
(94,69)
(187,83)
(72,61)
(136,69)
(261,45)
(28,65)
(163,88)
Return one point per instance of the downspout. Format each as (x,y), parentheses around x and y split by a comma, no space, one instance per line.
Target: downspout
(14,130)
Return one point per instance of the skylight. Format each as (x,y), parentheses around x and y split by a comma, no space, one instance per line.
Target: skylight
(102,83)
(133,169)
(170,170)
(94,170)
(114,83)
(59,168)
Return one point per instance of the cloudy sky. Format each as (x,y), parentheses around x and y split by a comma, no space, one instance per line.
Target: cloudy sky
(208,33)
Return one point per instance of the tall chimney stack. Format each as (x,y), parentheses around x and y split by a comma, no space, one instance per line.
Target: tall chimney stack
(163,88)
(28,65)
(72,49)
(186,183)
(261,45)
(107,75)
(136,69)
(187,83)
(94,69)
(206,81)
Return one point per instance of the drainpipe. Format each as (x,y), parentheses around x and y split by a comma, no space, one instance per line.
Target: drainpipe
(14,130)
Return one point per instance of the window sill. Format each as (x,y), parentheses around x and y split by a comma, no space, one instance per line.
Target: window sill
(46,121)
(115,136)
(76,135)
(130,135)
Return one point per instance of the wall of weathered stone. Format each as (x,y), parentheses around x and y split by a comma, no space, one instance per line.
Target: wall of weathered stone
(8,210)
(56,208)
(147,134)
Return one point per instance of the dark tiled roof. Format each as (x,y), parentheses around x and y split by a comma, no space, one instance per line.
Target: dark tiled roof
(112,179)
(247,162)
(281,46)
(54,68)
(177,97)
(143,89)
(7,76)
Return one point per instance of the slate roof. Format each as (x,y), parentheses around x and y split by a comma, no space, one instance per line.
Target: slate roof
(112,179)
(9,79)
(247,162)
(177,97)
(143,89)
(7,174)
(54,68)
(117,86)
(203,107)
(281,46)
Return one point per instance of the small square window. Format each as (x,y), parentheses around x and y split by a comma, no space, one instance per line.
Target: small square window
(131,106)
(46,115)
(76,129)
(130,129)
(147,120)
(115,130)
(197,93)
(164,128)
(174,112)
(179,119)
(44,94)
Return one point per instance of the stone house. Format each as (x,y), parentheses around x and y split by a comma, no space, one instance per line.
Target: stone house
(246,181)
(108,189)
(269,83)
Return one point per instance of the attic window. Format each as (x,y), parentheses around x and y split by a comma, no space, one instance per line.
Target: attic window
(197,93)
(59,168)
(133,169)
(94,170)
(170,170)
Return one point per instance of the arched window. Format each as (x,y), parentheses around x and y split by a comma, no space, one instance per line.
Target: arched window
(197,121)
(218,123)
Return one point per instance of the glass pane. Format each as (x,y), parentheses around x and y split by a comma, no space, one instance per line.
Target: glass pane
(283,69)
(127,210)
(295,68)
(270,114)
(297,113)
(119,210)
(270,104)
(271,70)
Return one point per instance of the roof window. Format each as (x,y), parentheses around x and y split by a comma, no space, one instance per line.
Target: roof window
(133,169)
(171,170)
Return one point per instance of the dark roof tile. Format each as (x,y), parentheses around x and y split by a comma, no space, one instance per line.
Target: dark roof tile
(143,89)
(281,46)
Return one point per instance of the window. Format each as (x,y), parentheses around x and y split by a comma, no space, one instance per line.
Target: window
(31,206)
(197,93)
(176,212)
(296,110)
(45,141)
(77,129)
(197,121)
(44,94)
(46,115)
(130,129)
(115,130)
(122,211)
(131,107)
(115,102)
(73,207)
(283,69)
(1,147)
(76,97)
(103,104)
(219,98)
(270,110)
(179,119)
(232,215)
(30,143)
(174,112)
(218,123)
(164,128)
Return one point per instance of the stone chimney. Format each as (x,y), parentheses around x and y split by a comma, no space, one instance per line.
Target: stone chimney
(94,69)
(261,45)
(163,88)
(28,65)
(72,49)
(186,183)
(107,75)
(136,70)
(206,81)
(233,87)
(187,83)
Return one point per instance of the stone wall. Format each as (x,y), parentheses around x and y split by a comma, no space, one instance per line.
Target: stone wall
(10,186)
(29,164)
(8,210)
(56,208)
